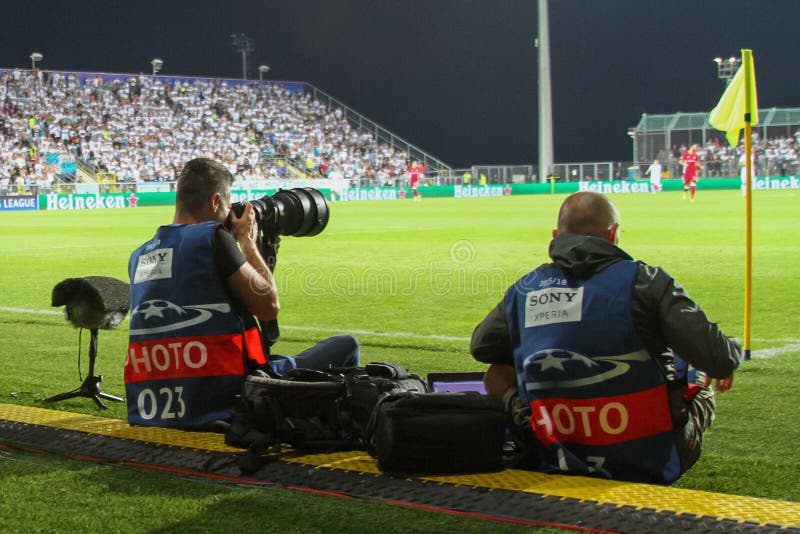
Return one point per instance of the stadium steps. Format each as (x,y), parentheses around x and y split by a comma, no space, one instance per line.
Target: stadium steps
(522,497)
(294,170)
(84,172)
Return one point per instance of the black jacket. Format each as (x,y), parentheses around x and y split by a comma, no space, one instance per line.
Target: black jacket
(665,317)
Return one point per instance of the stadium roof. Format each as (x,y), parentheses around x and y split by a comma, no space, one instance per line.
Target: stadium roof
(696,121)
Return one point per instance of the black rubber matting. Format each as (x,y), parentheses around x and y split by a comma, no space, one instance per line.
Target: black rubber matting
(491,502)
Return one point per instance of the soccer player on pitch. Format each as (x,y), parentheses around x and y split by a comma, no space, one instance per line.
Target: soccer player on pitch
(415,174)
(654,171)
(690,160)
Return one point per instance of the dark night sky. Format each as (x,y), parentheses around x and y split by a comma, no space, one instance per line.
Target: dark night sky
(455,77)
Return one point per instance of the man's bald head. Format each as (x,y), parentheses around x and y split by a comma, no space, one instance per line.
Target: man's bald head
(588,213)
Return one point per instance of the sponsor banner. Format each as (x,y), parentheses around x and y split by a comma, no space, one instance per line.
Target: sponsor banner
(244,195)
(627,186)
(781,182)
(167,198)
(472,191)
(642,186)
(348,194)
(55,201)
(19,203)
(405,193)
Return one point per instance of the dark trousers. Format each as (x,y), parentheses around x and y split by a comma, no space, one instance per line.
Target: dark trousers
(336,351)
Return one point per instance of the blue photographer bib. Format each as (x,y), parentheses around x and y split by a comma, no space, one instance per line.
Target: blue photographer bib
(189,348)
(598,400)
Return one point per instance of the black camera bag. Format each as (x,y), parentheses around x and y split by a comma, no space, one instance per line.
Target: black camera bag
(314,410)
(438,433)
(366,387)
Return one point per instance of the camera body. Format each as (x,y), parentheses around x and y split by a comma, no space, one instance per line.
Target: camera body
(299,212)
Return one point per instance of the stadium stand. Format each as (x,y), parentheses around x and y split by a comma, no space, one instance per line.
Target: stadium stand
(775,156)
(776,143)
(65,127)
(142,128)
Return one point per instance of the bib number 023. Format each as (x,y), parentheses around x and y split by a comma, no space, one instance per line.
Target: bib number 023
(169,400)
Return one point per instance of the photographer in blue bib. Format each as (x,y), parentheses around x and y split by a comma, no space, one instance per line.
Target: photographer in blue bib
(584,352)
(204,301)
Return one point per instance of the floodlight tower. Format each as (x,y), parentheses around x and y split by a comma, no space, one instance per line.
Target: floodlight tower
(243,45)
(726,68)
(262,70)
(545,98)
(35,58)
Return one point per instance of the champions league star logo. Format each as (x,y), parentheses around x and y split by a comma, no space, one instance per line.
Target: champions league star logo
(554,365)
(157,308)
(555,359)
(157,316)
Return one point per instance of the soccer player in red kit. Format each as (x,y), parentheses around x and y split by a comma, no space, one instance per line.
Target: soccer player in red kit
(415,173)
(690,160)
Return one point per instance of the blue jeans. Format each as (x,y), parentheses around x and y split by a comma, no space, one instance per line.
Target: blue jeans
(336,351)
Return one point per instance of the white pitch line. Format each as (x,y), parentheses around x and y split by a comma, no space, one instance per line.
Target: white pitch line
(372,333)
(92,246)
(793,344)
(438,337)
(26,310)
(774,351)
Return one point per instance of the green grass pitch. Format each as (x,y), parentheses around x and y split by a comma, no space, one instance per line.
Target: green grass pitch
(411,280)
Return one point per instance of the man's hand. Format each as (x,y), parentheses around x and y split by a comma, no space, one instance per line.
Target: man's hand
(245,228)
(724,384)
(253,282)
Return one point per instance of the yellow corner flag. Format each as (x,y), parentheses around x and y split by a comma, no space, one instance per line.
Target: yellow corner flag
(737,109)
(729,115)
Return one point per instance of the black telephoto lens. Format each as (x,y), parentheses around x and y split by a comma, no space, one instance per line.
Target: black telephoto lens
(298,212)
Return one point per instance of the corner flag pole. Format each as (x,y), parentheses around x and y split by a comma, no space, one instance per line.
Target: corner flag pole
(747,64)
(738,109)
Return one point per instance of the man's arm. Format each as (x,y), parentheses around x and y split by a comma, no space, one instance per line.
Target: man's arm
(252,283)
(491,342)
(668,316)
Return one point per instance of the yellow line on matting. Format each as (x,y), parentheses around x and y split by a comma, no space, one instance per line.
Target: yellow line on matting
(661,498)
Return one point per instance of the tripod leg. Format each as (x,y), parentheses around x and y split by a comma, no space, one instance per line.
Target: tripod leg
(99,403)
(110,397)
(63,396)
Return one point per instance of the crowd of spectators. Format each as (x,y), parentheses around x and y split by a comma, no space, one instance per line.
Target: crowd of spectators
(144,128)
(774,156)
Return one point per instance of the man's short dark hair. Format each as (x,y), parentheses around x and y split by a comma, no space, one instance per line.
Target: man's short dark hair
(198,181)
